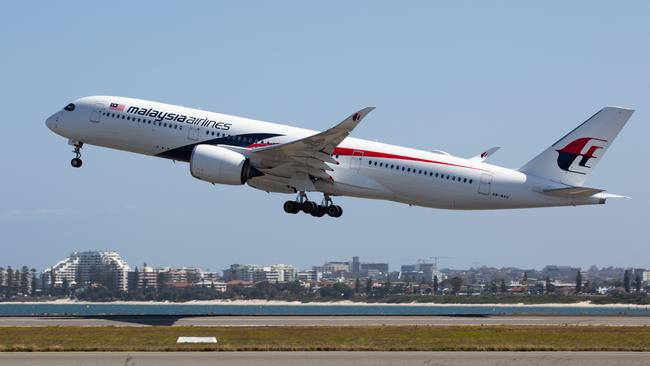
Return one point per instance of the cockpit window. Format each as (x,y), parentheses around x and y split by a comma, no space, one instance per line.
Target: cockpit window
(69,107)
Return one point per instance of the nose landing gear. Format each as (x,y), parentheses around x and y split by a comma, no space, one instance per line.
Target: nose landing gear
(303,204)
(76,162)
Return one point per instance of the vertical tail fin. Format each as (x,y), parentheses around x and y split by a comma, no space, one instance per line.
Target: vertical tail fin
(575,155)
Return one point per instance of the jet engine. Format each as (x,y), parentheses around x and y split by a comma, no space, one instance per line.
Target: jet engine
(216,164)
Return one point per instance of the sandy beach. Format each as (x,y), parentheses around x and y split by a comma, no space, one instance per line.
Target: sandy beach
(584,304)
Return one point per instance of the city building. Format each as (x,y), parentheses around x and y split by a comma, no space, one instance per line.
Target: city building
(210,284)
(421,271)
(379,267)
(356,266)
(257,273)
(143,278)
(17,281)
(309,276)
(561,273)
(333,267)
(178,276)
(241,272)
(84,268)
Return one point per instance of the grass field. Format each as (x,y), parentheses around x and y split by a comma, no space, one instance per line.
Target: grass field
(364,338)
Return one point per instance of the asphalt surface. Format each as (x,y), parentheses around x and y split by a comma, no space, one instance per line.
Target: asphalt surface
(243,321)
(325,358)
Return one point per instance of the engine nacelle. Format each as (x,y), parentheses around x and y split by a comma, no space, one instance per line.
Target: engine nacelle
(216,164)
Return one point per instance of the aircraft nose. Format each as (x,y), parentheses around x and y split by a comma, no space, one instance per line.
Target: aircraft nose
(51,121)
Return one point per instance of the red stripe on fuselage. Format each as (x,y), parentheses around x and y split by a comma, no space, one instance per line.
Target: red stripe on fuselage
(252,146)
(375,154)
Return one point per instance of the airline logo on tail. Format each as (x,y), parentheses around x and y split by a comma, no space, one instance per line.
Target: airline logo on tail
(569,154)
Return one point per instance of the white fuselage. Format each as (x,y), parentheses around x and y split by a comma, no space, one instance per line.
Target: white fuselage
(366,169)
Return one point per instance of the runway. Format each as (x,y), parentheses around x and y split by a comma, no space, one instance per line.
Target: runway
(325,358)
(246,321)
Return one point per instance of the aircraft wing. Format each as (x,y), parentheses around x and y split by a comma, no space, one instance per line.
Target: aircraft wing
(307,155)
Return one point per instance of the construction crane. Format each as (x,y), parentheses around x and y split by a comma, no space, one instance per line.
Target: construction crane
(435,260)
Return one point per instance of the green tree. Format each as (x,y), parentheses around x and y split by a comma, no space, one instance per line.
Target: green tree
(548,285)
(456,283)
(435,285)
(35,281)
(637,283)
(25,281)
(578,282)
(626,280)
(368,285)
(65,287)
(10,282)
(357,285)
(502,286)
(52,282)
(524,281)
(493,287)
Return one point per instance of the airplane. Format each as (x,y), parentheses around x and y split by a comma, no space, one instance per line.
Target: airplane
(225,149)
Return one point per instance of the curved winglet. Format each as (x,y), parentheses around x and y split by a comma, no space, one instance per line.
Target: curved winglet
(485,154)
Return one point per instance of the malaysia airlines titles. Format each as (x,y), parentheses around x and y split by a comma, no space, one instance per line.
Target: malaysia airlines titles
(159,116)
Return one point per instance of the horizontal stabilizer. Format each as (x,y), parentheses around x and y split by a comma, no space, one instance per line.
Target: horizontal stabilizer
(485,154)
(573,192)
(611,195)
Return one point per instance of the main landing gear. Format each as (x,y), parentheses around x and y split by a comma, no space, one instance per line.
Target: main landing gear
(76,162)
(302,203)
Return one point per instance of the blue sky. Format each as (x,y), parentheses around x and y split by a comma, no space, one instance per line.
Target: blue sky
(458,76)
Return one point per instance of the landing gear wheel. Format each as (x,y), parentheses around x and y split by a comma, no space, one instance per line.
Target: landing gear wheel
(320,211)
(76,163)
(309,207)
(334,211)
(291,207)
